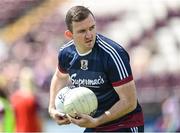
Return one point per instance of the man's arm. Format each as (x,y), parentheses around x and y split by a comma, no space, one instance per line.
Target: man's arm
(59,80)
(126,104)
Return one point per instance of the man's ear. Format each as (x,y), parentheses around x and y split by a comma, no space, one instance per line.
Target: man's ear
(68,34)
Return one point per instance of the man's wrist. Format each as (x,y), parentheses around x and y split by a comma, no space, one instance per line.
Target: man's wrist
(107,113)
(103,118)
(50,109)
(51,112)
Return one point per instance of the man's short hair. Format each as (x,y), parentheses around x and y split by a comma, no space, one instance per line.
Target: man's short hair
(76,14)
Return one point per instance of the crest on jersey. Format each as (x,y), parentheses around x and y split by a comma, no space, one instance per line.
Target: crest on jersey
(84,64)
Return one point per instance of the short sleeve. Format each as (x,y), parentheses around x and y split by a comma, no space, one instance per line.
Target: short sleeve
(119,69)
(62,62)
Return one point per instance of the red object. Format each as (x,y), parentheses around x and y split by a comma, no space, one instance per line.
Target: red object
(25,106)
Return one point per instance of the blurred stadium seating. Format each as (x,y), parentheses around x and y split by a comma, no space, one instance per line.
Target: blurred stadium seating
(148,29)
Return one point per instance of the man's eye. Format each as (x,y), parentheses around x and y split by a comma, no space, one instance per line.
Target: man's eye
(82,31)
(91,28)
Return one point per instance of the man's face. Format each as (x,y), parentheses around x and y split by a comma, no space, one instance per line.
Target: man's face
(84,34)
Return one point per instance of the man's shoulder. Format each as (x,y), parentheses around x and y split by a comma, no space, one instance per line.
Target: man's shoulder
(67,47)
(108,44)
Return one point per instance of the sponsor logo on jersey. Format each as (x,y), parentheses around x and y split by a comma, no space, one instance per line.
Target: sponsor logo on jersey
(84,64)
(87,82)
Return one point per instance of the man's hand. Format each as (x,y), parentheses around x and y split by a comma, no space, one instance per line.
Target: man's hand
(84,120)
(60,118)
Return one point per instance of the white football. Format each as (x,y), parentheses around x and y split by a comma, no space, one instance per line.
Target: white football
(80,100)
(60,97)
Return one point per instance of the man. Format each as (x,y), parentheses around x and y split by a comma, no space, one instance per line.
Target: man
(104,67)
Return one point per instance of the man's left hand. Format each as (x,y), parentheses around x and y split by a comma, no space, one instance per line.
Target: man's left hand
(84,120)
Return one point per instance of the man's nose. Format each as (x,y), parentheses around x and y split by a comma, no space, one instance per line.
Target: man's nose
(88,34)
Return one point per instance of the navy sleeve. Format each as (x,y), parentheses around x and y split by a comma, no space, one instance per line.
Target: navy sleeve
(119,68)
(62,62)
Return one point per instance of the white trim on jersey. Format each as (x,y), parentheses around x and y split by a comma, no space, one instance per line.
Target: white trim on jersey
(114,61)
(67,45)
(115,56)
(134,130)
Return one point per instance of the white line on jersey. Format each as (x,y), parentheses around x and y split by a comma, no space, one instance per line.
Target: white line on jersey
(67,45)
(115,56)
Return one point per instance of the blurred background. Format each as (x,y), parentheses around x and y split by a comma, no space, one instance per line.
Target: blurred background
(32,31)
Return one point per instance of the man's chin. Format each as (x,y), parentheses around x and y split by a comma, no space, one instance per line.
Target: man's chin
(90,46)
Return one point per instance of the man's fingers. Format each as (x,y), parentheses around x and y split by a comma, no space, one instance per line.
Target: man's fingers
(63,121)
(61,114)
(81,115)
(84,116)
(69,117)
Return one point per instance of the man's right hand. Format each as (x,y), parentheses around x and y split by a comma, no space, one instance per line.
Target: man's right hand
(60,118)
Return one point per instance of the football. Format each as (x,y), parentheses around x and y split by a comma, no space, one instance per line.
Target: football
(60,97)
(80,100)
